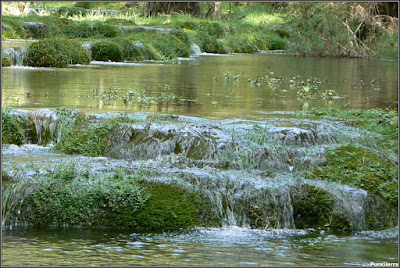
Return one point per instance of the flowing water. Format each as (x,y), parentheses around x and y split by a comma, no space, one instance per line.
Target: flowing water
(252,151)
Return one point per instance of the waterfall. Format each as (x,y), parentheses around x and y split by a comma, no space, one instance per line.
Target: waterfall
(16,55)
(252,174)
(195,50)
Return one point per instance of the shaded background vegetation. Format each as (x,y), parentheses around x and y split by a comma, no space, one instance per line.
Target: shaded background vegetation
(338,29)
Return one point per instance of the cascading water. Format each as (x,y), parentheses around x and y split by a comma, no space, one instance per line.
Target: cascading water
(16,55)
(195,50)
(251,171)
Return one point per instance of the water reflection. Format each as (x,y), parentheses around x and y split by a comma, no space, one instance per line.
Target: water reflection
(365,83)
(231,246)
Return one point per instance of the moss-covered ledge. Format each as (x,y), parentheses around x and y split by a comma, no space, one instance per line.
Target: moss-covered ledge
(64,199)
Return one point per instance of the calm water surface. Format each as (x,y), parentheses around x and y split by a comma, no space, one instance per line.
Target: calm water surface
(201,85)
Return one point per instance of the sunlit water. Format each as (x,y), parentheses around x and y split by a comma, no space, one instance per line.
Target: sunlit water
(201,85)
(231,246)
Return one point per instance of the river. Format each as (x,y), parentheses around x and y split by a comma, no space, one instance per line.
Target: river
(234,89)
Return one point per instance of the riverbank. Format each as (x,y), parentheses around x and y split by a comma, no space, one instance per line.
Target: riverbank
(127,35)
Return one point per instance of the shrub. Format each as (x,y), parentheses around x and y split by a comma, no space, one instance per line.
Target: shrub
(106,50)
(56,53)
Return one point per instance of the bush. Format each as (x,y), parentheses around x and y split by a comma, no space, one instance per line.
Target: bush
(56,53)
(106,50)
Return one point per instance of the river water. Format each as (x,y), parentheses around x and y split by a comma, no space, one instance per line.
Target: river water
(204,86)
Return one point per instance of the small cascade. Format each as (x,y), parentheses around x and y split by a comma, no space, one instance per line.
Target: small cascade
(42,126)
(16,55)
(251,173)
(88,48)
(195,50)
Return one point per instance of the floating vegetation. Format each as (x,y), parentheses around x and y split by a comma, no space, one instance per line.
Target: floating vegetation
(304,88)
(137,96)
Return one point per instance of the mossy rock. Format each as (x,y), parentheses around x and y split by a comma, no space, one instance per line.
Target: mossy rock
(131,50)
(173,206)
(210,44)
(106,51)
(360,168)
(56,53)
(55,203)
(113,201)
(312,207)
(12,128)
(241,45)
(88,138)
(169,46)
(5,62)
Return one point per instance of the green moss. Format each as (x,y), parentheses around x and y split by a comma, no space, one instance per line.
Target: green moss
(131,51)
(383,122)
(88,138)
(12,128)
(312,207)
(172,206)
(241,44)
(116,200)
(5,62)
(210,44)
(106,50)
(56,53)
(55,202)
(357,167)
